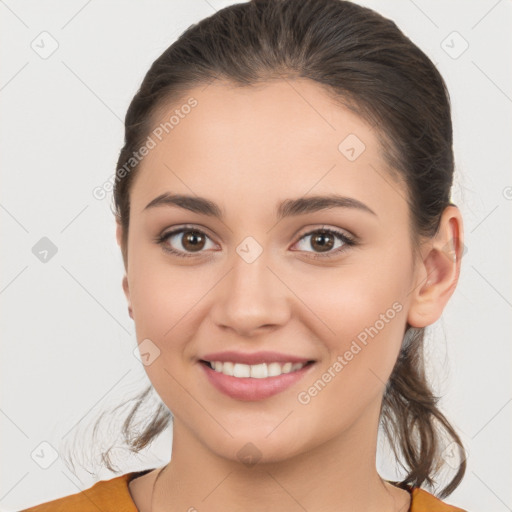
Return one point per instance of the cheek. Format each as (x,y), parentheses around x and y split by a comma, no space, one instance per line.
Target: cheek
(163,295)
(363,314)
(367,326)
(166,302)
(349,299)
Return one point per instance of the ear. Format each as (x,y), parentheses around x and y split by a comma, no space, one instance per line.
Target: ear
(438,269)
(119,232)
(119,238)
(126,288)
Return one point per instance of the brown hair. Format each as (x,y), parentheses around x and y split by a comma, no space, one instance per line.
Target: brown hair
(365,62)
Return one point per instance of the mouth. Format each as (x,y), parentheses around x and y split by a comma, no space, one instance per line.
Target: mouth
(255,371)
(254,382)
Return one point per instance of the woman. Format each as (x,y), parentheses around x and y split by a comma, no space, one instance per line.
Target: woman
(283,211)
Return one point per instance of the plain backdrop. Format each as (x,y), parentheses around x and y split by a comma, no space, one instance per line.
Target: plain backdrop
(69,71)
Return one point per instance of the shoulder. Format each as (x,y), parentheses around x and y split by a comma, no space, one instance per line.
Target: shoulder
(105,495)
(423,501)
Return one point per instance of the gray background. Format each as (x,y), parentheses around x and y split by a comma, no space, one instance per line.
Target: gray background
(67,340)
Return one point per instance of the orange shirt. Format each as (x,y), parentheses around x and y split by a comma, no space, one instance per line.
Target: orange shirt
(114,496)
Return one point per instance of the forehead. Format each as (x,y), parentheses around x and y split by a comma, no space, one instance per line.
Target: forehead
(278,139)
(284,117)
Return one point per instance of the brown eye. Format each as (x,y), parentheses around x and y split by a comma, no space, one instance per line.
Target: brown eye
(323,241)
(184,242)
(192,240)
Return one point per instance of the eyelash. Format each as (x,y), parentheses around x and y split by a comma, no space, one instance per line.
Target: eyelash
(347,241)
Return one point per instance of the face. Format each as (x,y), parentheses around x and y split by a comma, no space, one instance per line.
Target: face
(325,284)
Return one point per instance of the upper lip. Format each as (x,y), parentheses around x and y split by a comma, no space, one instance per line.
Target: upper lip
(254,357)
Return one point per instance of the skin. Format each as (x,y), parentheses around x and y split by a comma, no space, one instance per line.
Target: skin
(247,149)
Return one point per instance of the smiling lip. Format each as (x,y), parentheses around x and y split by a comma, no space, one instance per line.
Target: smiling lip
(251,389)
(253,357)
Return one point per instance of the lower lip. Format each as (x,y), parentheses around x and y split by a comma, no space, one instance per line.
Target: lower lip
(249,388)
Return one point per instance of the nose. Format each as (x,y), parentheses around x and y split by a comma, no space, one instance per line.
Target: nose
(251,298)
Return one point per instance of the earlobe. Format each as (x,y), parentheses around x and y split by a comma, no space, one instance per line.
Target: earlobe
(438,271)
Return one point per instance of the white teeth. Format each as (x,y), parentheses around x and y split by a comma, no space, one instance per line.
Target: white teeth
(241,370)
(256,371)
(274,369)
(259,371)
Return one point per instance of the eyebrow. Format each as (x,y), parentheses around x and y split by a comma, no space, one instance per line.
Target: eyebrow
(287,208)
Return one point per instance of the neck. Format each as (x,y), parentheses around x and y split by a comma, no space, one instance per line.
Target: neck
(339,475)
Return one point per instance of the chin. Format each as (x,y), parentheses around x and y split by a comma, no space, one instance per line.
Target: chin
(255,447)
